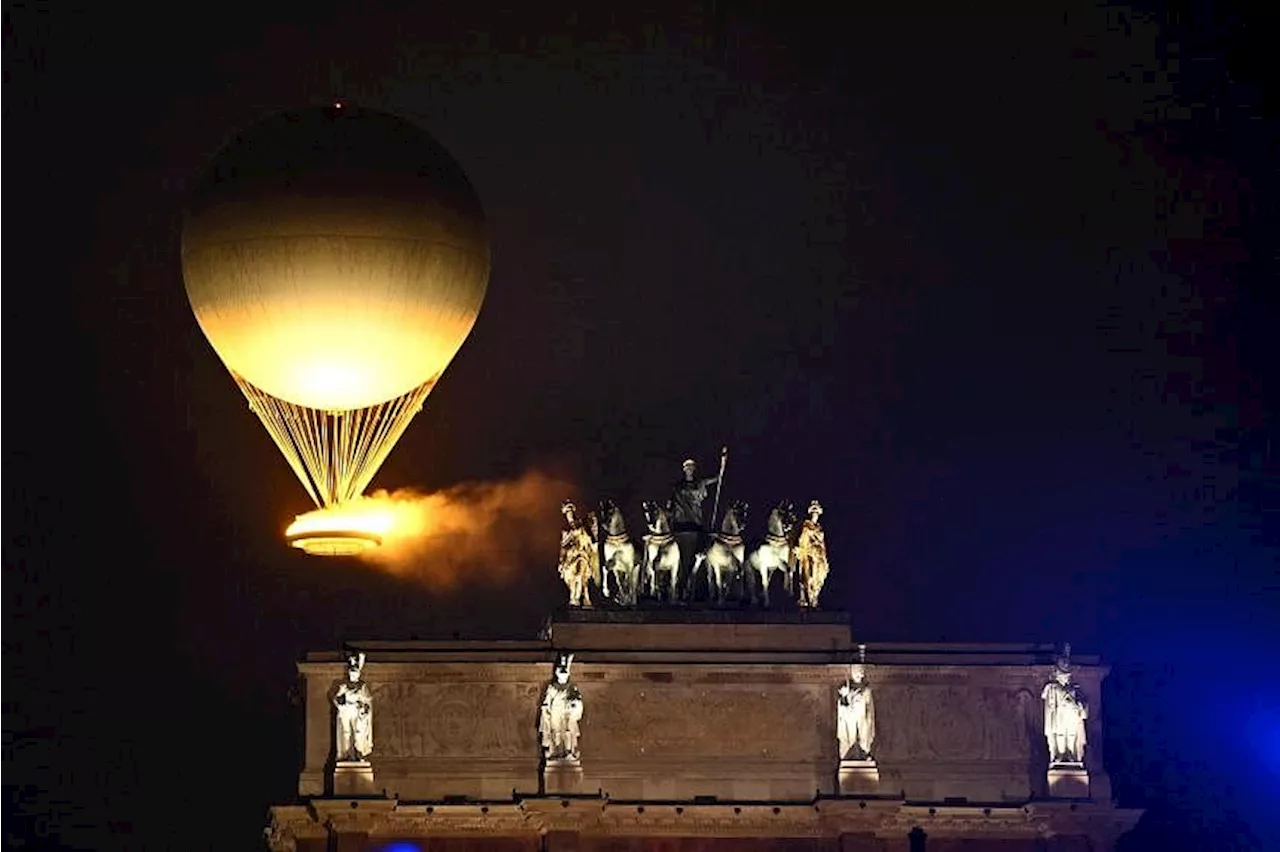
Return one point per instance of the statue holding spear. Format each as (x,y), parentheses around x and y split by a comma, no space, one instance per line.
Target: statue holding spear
(687,517)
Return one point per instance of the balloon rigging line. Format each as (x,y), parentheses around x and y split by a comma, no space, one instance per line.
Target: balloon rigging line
(335,454)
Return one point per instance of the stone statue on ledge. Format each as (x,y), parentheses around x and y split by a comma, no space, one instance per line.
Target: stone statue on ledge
(1065,712)
(855,716)
(809,558)
(559,716)
(354,702)
(579,557)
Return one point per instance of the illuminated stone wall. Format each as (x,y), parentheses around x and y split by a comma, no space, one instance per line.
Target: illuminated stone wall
(707,731)
(678,711)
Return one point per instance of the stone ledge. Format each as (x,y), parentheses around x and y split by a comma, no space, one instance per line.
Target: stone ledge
(697,615)
(594,815)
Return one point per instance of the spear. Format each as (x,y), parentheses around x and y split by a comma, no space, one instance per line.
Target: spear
(600,536)
(715,506)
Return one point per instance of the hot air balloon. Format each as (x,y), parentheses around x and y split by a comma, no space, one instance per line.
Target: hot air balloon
(336,258)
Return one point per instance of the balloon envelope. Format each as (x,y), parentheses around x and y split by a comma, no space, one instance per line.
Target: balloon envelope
(335,258)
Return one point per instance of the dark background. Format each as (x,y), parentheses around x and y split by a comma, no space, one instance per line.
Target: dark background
(995,286)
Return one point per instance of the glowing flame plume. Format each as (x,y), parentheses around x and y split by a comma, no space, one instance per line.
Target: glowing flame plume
(479,530)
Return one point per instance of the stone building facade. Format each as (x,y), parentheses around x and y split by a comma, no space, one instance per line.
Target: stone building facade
(711,730)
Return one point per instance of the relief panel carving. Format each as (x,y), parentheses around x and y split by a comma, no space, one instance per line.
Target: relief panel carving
(456,719)
(630,720)
(952,722)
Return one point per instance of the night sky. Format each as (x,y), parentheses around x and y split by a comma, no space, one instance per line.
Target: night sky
(996,288)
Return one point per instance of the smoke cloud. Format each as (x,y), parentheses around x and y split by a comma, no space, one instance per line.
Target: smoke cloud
(480,532)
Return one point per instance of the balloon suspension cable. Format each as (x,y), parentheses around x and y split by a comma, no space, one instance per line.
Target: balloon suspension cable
(335,454)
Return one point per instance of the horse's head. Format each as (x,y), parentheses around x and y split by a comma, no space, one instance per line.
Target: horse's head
(656,516)
(782,519)
(612,516)
(735,518)
(789,516)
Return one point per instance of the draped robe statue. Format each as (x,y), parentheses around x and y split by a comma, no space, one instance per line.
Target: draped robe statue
(855,716)
(354,703)
(809,558)
(1065,712)
(579,557)
(560,714)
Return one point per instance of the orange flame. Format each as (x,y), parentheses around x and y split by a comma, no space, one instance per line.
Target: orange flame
(482,531)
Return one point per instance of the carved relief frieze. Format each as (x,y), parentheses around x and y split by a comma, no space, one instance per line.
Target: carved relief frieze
(952,722)
(492,720)
(630,720)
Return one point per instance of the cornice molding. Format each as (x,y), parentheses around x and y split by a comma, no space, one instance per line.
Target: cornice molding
(824,817)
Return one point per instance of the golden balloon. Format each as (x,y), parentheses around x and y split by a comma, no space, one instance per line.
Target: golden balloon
(336,259)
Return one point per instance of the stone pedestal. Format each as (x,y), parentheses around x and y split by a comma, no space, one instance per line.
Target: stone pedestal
(353,778)
(562,776)
(859,777)
(1068,781)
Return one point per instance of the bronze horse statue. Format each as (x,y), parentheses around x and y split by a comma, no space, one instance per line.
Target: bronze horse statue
(725,555)
(661,553)
(620,570)
(773,554)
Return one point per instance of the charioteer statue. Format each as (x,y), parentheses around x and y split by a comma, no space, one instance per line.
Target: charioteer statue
(687,514)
